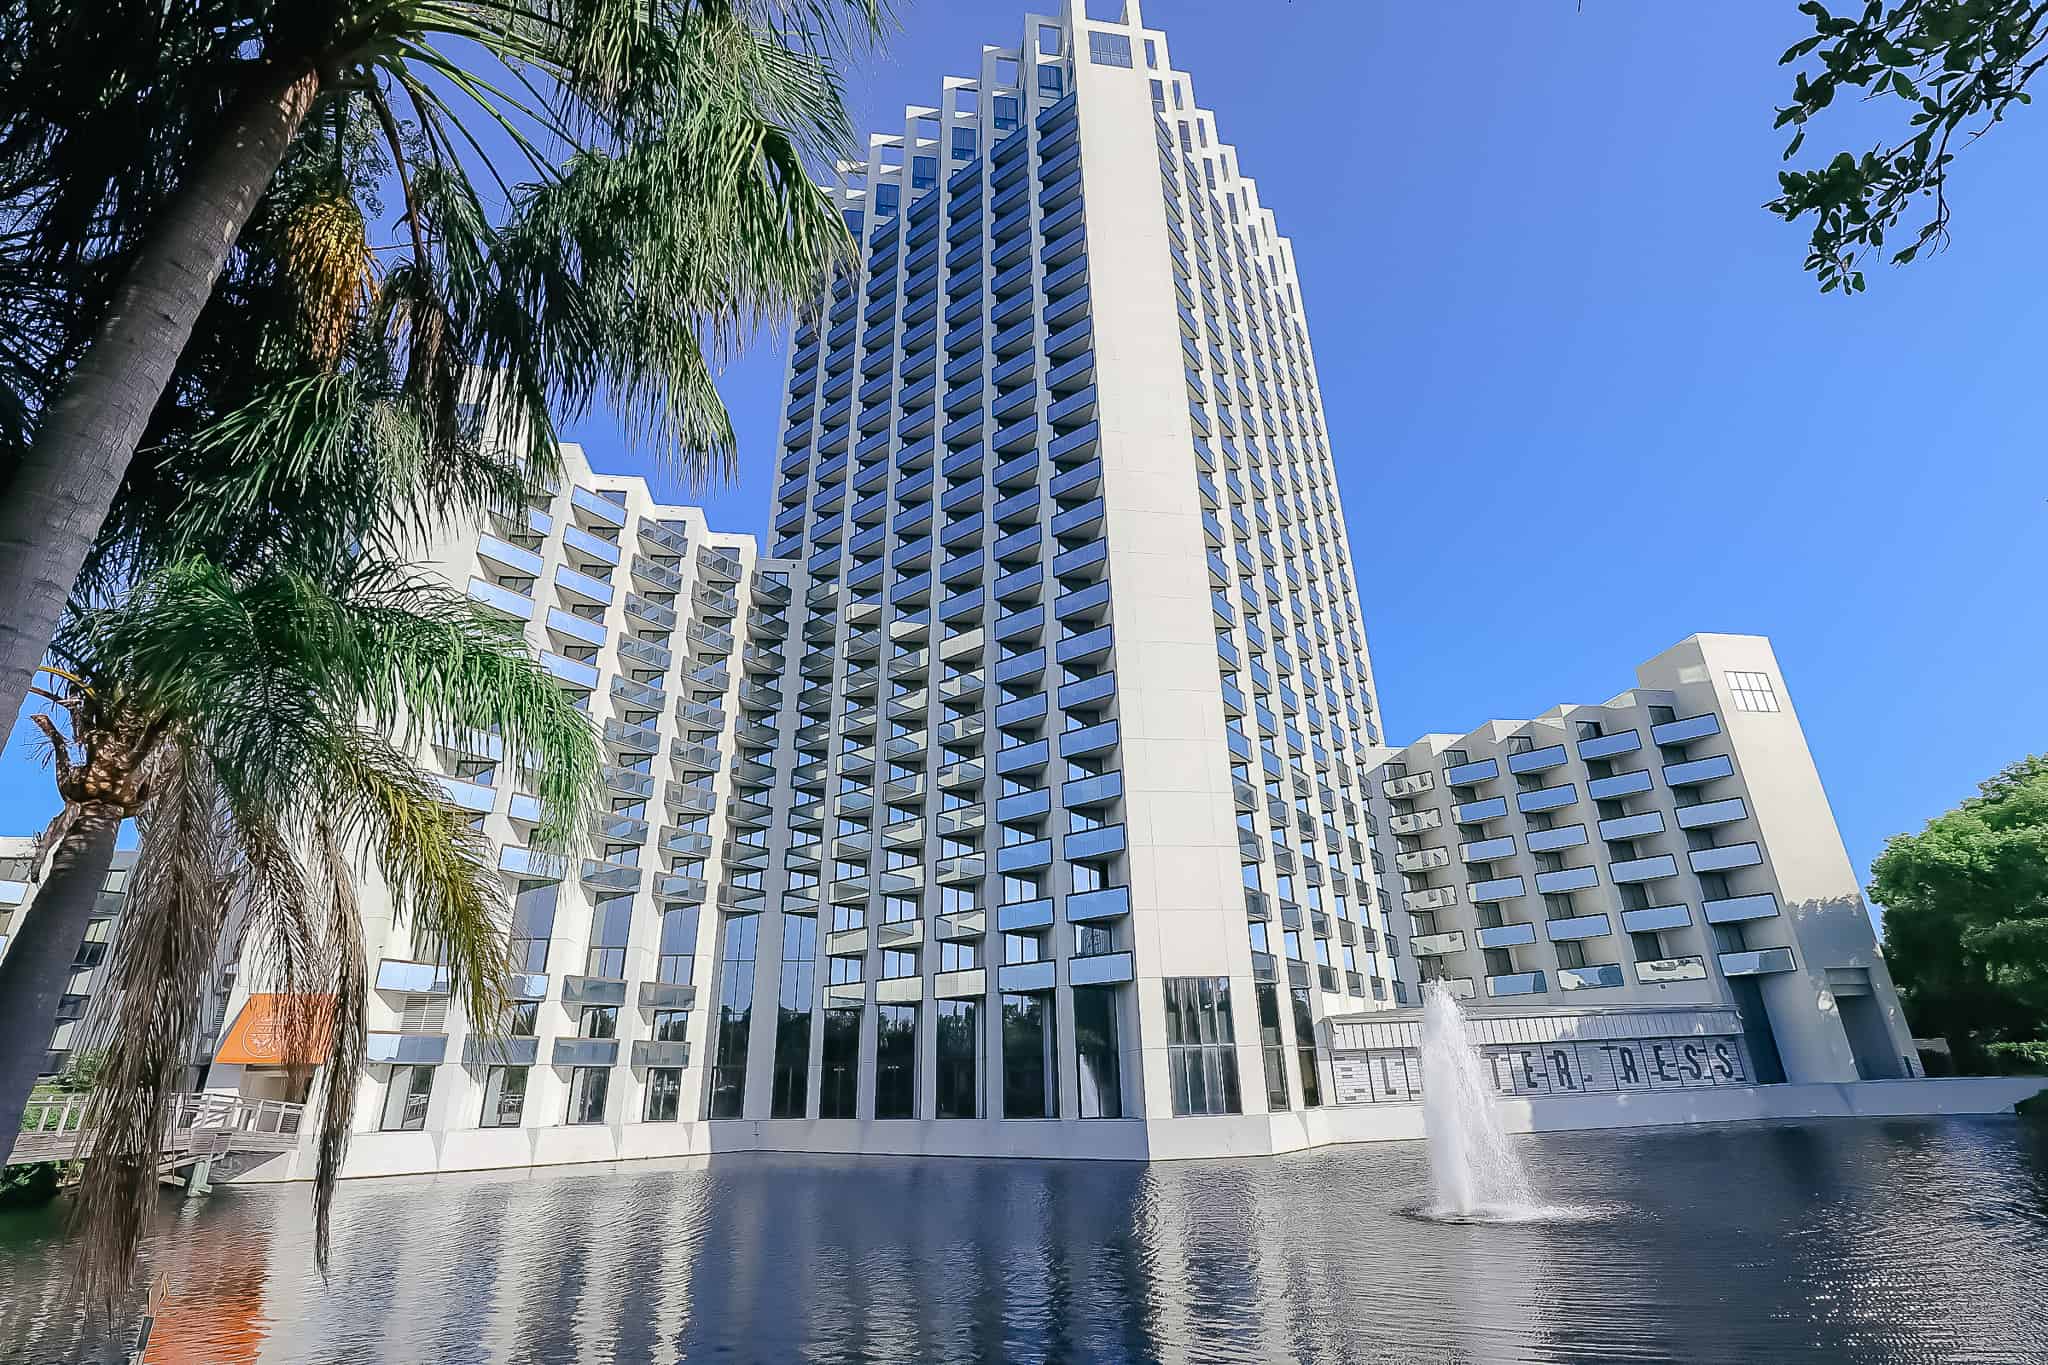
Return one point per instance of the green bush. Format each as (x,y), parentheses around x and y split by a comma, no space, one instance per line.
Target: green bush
(34,1183)
(2023,1058)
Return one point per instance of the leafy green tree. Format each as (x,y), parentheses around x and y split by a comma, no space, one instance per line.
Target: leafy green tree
(654,204)
(1966,915)
(1959,66)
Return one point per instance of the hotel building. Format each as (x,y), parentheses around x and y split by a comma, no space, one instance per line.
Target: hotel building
(1669,847)
(1016,795)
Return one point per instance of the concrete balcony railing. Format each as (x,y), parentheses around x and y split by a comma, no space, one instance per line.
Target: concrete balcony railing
(1422,860)
(1416,822)
(1516,983)
(1664,970)
(1430,898)
(1437,945)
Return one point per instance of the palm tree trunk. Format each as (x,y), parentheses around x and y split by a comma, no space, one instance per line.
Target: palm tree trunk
(37,966)
(59,496)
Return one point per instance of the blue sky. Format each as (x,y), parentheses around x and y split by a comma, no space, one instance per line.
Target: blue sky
(1583,400)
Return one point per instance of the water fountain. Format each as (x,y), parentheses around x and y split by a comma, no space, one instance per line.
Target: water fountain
(1474,1172)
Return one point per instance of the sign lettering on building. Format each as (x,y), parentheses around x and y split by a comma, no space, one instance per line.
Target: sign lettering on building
(1394,1075)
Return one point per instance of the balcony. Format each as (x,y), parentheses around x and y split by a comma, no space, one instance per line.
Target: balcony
(1576,927)
(525,862)
(1101,842)
(650,1052)
(1515,983)
(1735,909)
(1643,869)
(963,926)
(1507,935)
(1437,945)
(600,875)
(1607,746)
(1550,840)
(1663,971)
(1567,879)
(1617,786)
(1591,978)
(1465,774)
(482,1051)
(1699,771)
(1546,798)
(1758,962)
(1099,969)
(1710,813)
(1430,898)
(1414,784)
(504,601)
(970,984)
(1422,860)
(1686,730)
(1536,760)
(469,796)
(659,576)
(412,978)
(1633,826)
(593,990)
(1416,822)
(585,1052)
(1479,812)
(1483,850)
(1652,918)
(1494,889)
(418,1049)
(1723,858)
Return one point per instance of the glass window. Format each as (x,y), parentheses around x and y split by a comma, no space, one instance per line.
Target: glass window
(1109,49)
(533,922)
(599,1021)
(735,1017)
(587,1089)
(841,1057)
(1030,1076)
(1049,80)
(924,172)
(1201,1045)
(504,1096)
(1097,1065)
(405,1099)
(959,1058)
(896,1061)
(963,143)
(886,197)
(790,1094)
(664,1094)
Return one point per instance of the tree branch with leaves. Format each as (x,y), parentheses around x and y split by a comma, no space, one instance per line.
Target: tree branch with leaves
(1959,65)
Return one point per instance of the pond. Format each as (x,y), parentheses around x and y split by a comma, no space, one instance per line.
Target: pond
(1876,1241)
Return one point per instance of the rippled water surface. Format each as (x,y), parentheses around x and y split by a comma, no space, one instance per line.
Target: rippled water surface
(1877,1241)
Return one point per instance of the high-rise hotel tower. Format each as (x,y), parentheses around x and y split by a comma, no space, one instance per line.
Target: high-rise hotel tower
(1015,801)
(1084,708)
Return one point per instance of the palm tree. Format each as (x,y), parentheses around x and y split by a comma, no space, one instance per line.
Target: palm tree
(233,674)
(669,213)
(245,722)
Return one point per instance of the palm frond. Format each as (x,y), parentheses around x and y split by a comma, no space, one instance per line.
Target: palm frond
(177,908)
(349,976)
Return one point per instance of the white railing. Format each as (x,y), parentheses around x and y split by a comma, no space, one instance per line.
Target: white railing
(55,1129)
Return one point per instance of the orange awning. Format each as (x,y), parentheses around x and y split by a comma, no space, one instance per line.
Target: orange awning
(259,1035)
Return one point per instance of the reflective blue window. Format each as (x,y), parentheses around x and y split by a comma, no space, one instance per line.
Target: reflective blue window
(1049,80)
(1005,113)
(924,172)
(963,143)
(886,197)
